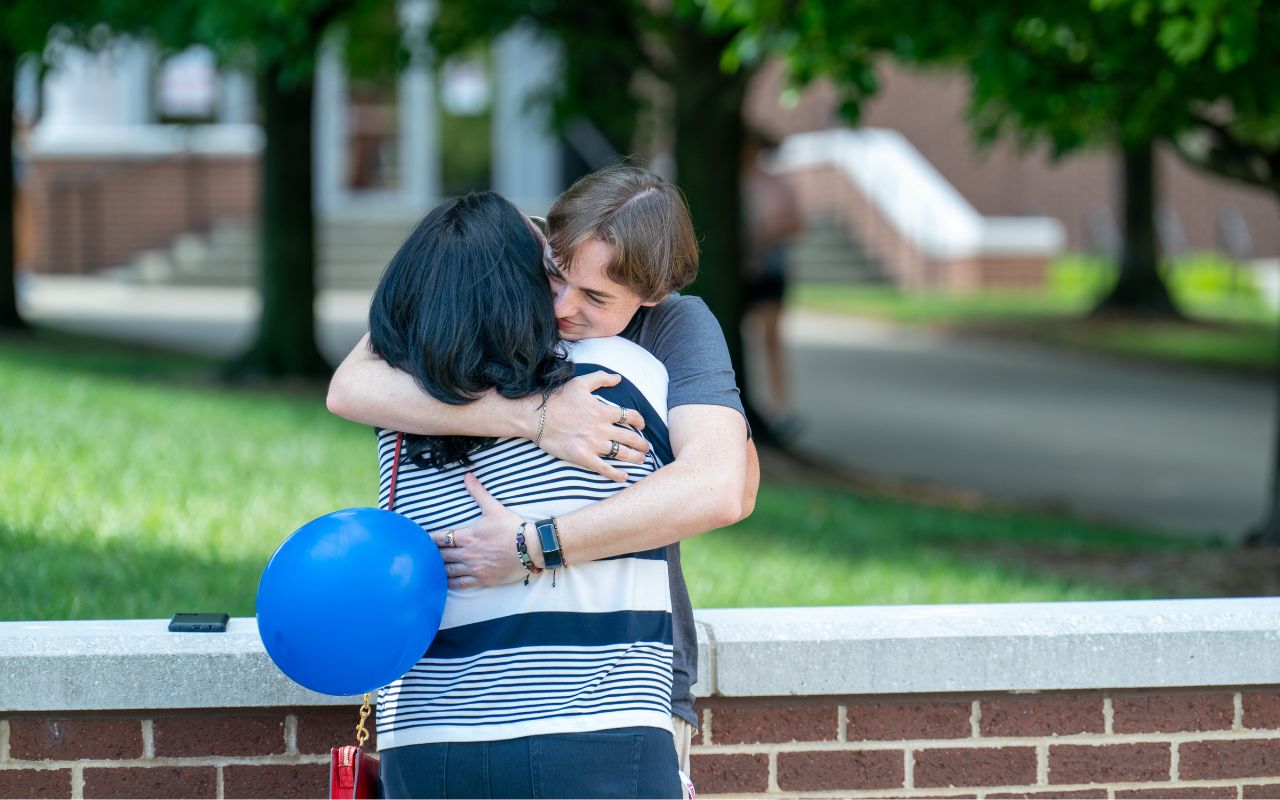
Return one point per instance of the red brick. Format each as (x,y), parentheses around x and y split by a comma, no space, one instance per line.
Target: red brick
(715,773)
(698,708)
(1042,715)
(1110,763)
(257,735)
(1262,791)
(1170,713)
(1180,793)
(150,782)
(842,769)
(890,721)
(975,766)
(276,780)
(1235,759)
(320,731)
(17,783)
(1083,794)
(1261,710)
(74,739)
(781,723)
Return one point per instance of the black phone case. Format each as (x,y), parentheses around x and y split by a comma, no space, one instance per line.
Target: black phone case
(198,623)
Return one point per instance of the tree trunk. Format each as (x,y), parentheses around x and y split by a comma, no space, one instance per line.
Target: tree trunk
(709,134)
(285,345)
(1139,289)
(10,319)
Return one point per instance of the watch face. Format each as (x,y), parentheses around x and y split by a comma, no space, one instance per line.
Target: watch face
(550,543)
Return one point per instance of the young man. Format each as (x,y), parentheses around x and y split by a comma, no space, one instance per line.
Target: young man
(623,244)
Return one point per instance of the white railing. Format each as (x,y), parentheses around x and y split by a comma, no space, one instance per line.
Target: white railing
(915,198)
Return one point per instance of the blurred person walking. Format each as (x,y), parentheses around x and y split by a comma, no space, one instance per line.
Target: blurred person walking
(772,221)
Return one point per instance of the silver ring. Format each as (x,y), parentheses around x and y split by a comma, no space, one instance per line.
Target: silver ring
(613,451)
(448,539)
(622,420)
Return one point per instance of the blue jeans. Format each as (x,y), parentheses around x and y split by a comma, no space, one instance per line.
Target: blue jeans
(622,762)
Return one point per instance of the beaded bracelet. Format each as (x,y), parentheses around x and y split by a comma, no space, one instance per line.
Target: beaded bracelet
(522,552)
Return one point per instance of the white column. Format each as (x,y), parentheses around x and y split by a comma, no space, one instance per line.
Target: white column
(418,118)
(526,155)
(235,97)
(112,88)
(329,116)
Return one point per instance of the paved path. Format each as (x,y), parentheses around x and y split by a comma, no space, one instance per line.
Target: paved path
(1173,448)
(1168,448)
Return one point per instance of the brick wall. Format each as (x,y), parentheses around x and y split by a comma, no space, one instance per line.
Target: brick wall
(210,754)
(87,214)
(1183,743)
(1167,744)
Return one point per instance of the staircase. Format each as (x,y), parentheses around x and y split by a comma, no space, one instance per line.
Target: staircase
(827,253)
(352,255)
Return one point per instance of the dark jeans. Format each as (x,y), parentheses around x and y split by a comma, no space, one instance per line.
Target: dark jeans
(622,762)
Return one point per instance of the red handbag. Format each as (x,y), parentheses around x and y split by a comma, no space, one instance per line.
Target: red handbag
(353,773)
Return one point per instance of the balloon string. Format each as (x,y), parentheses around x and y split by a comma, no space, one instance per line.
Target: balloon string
(395,468)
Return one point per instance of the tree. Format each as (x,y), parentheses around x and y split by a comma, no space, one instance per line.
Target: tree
(1226,47)
(1199,74)
(1067,75)
(24,28)
(278,42)
(609,51)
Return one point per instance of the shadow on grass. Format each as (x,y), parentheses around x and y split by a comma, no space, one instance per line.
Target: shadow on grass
(53,350)
(75,576)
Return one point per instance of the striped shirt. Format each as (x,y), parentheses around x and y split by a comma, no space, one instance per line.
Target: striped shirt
(587,648)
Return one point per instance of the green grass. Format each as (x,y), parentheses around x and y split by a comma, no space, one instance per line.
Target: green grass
(1228,324)
(132,485)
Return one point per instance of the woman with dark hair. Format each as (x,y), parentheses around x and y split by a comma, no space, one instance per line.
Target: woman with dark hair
(560,685)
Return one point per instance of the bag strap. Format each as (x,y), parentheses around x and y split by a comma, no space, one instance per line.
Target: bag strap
(395,470)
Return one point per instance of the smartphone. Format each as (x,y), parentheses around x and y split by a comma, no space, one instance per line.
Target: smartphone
(198,623)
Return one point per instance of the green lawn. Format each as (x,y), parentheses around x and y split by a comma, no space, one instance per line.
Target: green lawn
(133,485)
(1228,324)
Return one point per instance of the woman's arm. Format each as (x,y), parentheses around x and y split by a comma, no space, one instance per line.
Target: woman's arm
(577,427)
(711,483)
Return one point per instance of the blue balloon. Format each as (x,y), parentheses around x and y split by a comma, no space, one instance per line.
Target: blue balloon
(351,600)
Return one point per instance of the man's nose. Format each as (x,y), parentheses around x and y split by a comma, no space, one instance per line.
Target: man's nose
(563,301)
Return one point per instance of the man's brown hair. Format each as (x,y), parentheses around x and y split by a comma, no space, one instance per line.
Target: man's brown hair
(642,217)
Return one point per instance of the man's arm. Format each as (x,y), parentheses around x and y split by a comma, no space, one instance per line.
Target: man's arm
(577,427)
(711,483)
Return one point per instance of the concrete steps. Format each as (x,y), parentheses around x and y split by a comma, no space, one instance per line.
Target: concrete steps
(353,254)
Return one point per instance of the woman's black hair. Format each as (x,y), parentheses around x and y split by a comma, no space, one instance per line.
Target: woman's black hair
(464,307)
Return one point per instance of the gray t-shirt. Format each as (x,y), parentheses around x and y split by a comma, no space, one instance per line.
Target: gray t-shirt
(684,335)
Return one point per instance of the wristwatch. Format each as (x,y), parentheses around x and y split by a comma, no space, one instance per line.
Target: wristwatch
(550,539)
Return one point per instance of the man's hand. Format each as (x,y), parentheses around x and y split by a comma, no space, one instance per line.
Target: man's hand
(581,429)
(484,553)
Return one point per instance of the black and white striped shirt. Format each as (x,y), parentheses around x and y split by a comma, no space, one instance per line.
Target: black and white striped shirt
(591,652)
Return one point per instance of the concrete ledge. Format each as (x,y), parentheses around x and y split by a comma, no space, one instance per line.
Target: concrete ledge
(138,664)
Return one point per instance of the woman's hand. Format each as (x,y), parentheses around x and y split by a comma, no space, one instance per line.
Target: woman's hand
(580,429)
(484,553)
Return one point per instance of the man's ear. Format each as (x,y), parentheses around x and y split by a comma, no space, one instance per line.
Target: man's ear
(650,303)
